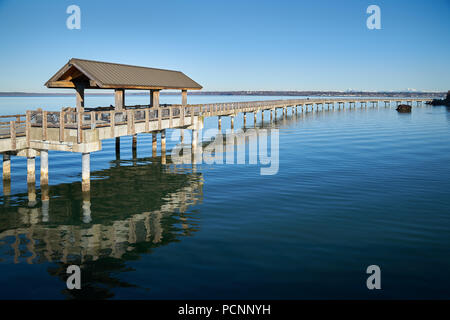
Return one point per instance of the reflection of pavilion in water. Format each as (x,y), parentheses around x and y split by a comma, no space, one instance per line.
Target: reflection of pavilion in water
(134,205)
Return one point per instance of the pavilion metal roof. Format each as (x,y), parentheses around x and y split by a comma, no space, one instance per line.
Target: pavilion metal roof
(106,75)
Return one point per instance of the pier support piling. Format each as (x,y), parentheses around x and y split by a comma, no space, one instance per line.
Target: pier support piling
(134,143)
(31,170)
(44,175)
(6,167)
(117,148)
(86,172)
(232,122)
(219,123)
(194,139)
(44,167)
(163,146)
(6,174)
(154,144)
(163,140)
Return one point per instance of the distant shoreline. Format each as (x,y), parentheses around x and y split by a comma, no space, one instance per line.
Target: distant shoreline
(245,93)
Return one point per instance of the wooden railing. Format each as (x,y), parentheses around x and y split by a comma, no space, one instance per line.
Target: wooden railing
(12,128)
(130,115)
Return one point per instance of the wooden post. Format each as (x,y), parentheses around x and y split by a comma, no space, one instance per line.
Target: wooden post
(79,127)
(232,122)
(219,123)
(31,180)
(85,172)
(44,168)
(129,122)
(31,170)
(163,141)
(117,148)
(119,99)
(154,144)
(147,120)
(159,118)
(79,88)
(182,115)
(154,98)
(28,128)
(6,167)
(183,97)
(93,120)
(61,126)
(134,145)
(44,125)
(194,140)
(112,120)
(12,132)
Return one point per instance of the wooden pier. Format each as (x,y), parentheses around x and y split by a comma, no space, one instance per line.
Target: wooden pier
(82,130)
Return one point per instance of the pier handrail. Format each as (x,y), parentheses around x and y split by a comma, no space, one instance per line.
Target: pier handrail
(105,117)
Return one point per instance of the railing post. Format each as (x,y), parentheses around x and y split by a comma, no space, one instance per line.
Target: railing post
(112,120)
(170,117)
(61,126)
(133,128)
(93,120)
(147,119)
(182,114)
(128,122)
(44,125)
(159,118)
(12,130)
(79,128)
(28,127)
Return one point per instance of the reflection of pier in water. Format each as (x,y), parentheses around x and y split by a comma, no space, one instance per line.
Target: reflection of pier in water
(143,204)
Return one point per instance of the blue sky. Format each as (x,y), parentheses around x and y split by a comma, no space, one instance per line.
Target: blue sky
(235,45)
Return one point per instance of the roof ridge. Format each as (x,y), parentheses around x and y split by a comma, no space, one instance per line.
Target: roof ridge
(126,65)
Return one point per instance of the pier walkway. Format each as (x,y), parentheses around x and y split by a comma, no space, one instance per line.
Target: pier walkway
(82,129)
(36,132)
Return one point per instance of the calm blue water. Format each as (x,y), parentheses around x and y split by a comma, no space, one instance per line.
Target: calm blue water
(354,188)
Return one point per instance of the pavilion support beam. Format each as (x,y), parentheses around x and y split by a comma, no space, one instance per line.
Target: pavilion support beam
(79,89)
(183,97)
(154,98)
(119,99)
(86,172)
